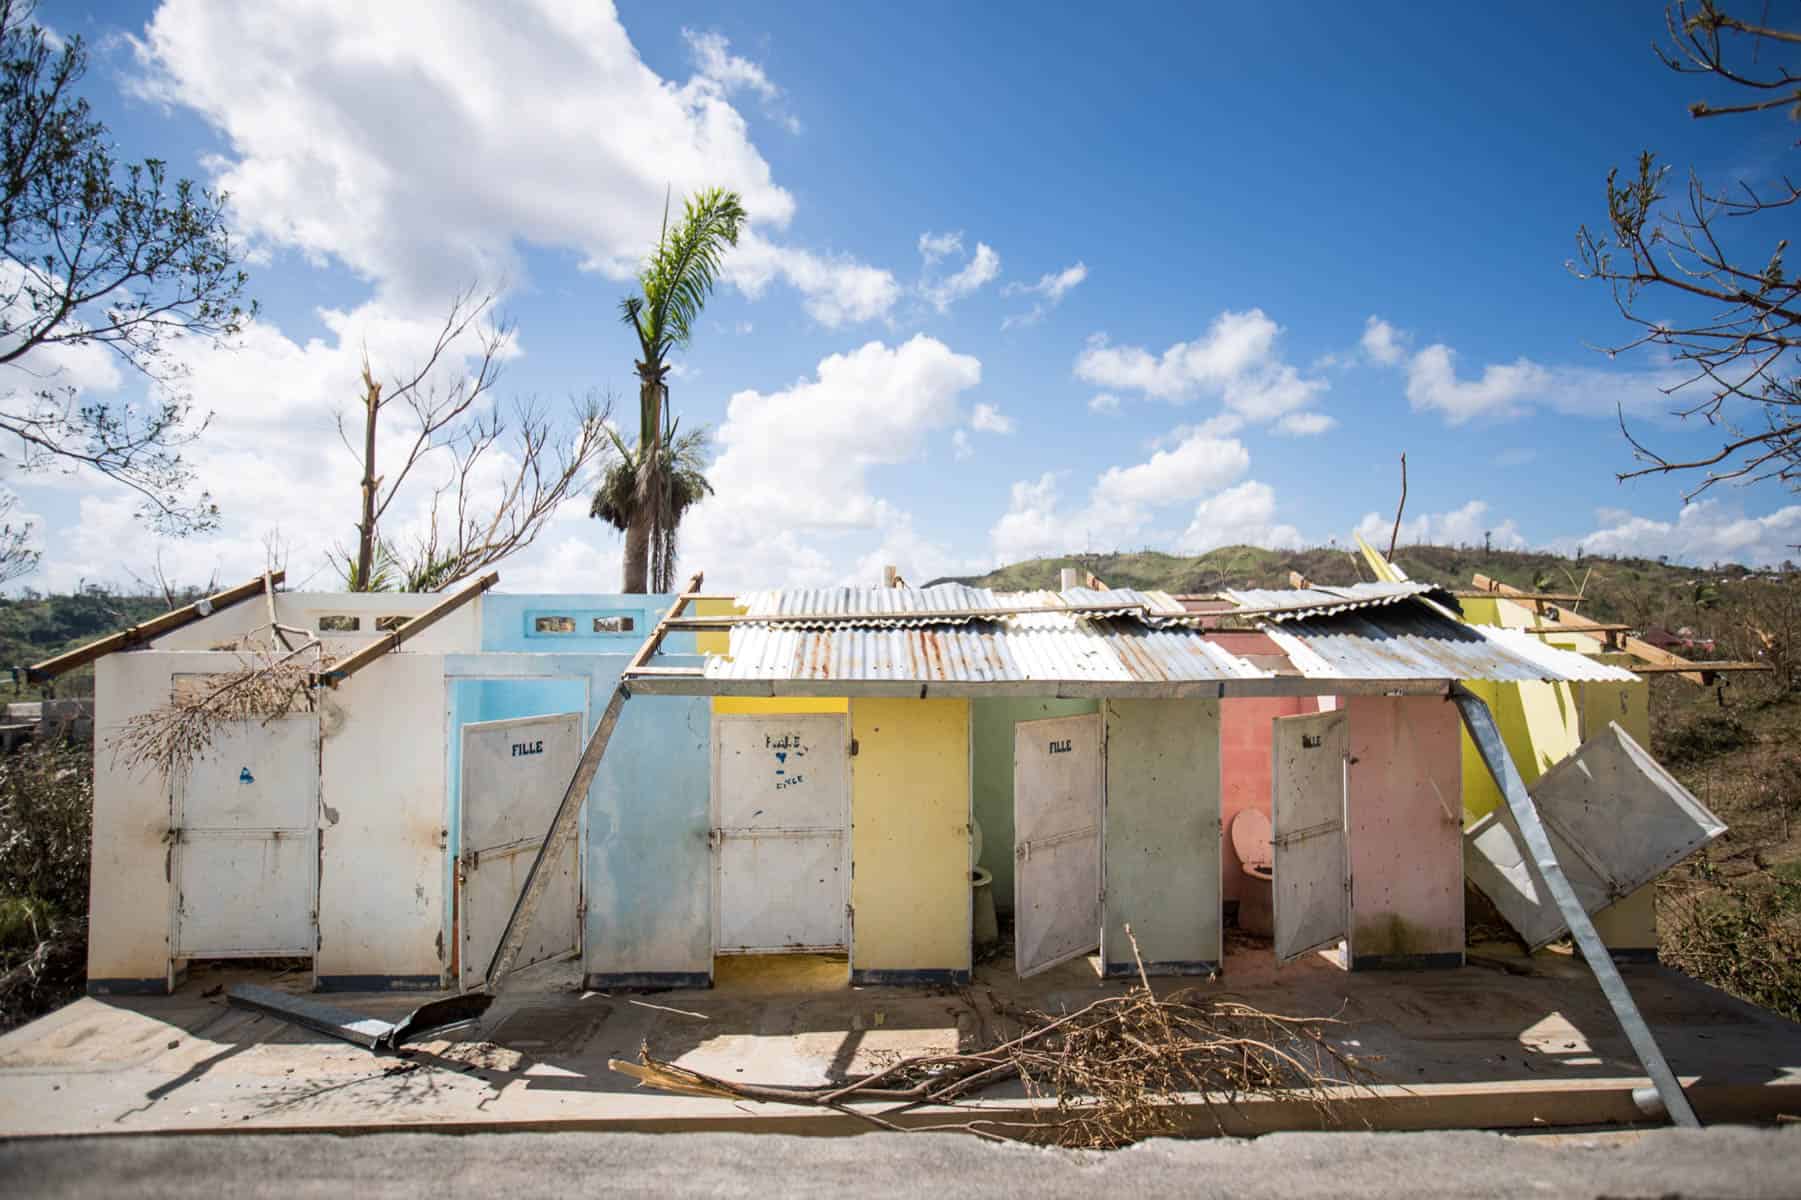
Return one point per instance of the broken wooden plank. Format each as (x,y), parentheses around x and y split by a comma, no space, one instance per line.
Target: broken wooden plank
(392,640)
(145,631)
(1594,628)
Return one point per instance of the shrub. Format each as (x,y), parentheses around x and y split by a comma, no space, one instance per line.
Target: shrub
(46,821)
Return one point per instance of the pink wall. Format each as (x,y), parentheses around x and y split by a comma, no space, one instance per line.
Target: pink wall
(1406,828)
(1244,766)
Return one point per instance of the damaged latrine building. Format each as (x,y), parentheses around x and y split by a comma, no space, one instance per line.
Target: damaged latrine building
(807,770)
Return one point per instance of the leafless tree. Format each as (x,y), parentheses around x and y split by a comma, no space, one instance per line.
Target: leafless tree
(1690,275)
(18,556)
(473,521)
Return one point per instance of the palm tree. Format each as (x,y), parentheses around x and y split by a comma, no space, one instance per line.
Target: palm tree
(653,484)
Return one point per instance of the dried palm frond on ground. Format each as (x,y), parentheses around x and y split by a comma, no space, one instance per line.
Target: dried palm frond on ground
(1120,1070)
(265,688)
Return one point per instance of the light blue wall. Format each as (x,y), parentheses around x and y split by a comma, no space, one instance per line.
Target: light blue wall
(509,622)
(647,870)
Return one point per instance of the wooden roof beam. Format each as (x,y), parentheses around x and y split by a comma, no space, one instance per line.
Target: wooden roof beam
(340,671)
(155,627)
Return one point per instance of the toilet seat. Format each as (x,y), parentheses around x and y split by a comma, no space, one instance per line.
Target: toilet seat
(1251,839)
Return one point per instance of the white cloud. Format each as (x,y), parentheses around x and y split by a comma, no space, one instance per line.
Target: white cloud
(981,269)
(1104,402)
(1050,289)
(935,246)
(1502,389)
(1031,527)
(961,446)
(863,409)
(1383,342)
(1463,526)
(1704,532)
(986,418)
(1305,424)
(836,290)
(1239,516)
(714,61)
(1196,466)
(1236,359)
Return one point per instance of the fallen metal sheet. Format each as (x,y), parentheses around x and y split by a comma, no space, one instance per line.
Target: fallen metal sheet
(1616,819)
(1549,871)
(436,1016)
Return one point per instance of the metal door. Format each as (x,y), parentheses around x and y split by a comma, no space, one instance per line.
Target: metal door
(514,775)
(1058,776)
(781,800)
(1311,889)
(247,835)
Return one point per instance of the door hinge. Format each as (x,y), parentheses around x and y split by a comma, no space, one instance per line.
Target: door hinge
(714,837)
(853,747)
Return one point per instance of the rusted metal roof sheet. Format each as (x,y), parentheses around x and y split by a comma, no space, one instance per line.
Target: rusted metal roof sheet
(1413,642)
(1031,647)
(1291,604)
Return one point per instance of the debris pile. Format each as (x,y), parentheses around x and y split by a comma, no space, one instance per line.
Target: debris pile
(1124,1068)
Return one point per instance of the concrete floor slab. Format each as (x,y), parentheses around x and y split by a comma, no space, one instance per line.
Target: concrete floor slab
(1534,1046)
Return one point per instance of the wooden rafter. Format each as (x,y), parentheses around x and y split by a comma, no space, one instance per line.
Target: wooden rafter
(340,671)
(155,627)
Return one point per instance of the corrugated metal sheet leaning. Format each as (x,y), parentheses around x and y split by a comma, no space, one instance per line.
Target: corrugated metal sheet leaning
(1365,633)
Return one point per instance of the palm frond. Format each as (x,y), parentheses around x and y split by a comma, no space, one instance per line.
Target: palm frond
(681,271)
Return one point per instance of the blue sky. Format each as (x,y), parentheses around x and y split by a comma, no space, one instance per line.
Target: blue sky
(1019,280)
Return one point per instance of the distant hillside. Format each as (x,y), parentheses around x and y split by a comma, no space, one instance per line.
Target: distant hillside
(35,627)
(1638,590)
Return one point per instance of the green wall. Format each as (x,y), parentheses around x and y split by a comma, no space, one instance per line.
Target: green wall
(991,739)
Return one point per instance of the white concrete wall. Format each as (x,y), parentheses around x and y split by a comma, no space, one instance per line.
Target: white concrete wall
(382,824)
(131,896)
(382,815)
(459,631)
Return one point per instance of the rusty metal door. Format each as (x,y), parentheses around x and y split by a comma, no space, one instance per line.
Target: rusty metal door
(781,815)
(514,776)
(1311,886)
(247,837)
(1058,776)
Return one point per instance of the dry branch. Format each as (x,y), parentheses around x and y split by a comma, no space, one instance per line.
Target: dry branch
(1120,1070)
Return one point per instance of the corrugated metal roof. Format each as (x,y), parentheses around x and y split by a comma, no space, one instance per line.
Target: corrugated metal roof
(1288,604)
(1033,647)
(1412,642)
(1364,633)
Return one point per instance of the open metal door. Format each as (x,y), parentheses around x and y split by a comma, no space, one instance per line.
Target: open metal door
(1311,886)
(1615,819)
(514,775)
(1058,776)
(781,795)
(247,842)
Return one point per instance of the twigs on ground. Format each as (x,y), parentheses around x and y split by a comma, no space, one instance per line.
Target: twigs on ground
(1124,1068)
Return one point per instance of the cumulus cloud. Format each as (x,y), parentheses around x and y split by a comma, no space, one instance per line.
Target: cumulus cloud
(1305,424)
(1197,465)
(1238,516)
(1502,389)
(862,409)
(1236,360)
(980,269)
(1704,532)
(1383,342)
(1104,402)
(715,62)
(986,418)
(1050,290)
(1463,526)
(835,290)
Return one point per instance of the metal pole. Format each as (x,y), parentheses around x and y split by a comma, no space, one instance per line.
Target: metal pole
(1481,724)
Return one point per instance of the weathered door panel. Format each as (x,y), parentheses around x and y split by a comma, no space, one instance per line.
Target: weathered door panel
(781,788)
(514,776)
(1310,895)
(1616,820)
(1058,772)
(247,831)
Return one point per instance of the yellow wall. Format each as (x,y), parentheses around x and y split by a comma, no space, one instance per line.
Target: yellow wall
(716,641)
(910,846)
(780,704)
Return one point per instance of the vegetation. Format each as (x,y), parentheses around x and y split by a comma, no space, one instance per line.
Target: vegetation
(652,485)
(474,520)
(1703,279)
(46,814)
(104,255)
